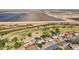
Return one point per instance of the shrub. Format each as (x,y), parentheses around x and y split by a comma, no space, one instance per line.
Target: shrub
(29,34)
(75,40)
(68,48)
(17,45)
(39,45)
(2,44)
(45,34)
(14,39)
(6,40)
(57,30)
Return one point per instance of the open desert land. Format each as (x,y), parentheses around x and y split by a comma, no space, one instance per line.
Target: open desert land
(38,15)
(39,30)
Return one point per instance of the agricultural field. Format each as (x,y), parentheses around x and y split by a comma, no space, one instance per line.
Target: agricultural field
(48,36)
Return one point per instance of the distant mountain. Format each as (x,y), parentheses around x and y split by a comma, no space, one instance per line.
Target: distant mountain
(38,10)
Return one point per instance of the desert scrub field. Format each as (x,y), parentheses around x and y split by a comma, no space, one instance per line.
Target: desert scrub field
(20,35)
